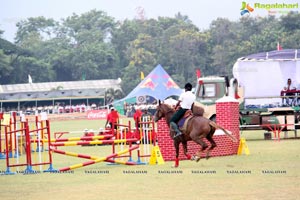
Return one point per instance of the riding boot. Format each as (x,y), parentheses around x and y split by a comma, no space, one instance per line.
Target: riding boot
(174,126)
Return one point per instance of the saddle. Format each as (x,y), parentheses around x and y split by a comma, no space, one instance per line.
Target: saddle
(197,111)
(182,124)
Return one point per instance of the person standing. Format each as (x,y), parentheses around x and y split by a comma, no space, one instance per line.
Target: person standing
(112,118)
(185,102)
(137,117)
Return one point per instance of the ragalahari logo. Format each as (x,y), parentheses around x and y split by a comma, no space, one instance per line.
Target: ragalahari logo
(148,83)
(171,84)
(246,8)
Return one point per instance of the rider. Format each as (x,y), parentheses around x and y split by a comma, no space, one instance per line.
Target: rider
(185,102)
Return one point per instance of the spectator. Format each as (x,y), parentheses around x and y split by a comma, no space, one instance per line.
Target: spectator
(82,107)
(94,106)
(289,92)
(146,116)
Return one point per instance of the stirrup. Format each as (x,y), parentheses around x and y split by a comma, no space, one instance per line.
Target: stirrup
(177,134)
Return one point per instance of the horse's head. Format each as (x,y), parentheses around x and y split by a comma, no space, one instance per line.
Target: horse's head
(162,110)
(159,112)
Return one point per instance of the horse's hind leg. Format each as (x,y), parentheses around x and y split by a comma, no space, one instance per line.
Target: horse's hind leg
(185,150)
(213,145)
(209,137)
(203,145)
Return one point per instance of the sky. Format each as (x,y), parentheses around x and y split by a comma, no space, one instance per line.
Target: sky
(201,12)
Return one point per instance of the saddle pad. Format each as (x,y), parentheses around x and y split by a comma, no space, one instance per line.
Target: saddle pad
(182,124)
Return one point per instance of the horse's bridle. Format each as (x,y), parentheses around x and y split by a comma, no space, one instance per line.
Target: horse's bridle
(163,114)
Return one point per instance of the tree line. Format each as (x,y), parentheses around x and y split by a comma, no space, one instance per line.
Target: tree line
(94,45)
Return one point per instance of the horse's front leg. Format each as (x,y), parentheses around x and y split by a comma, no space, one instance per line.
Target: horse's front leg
(185,150)
(176,145)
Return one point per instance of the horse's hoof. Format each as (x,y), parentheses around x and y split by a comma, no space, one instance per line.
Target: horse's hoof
(207,155)
(192,158)
(196,158)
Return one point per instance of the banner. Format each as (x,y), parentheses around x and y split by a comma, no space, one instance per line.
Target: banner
(97,114)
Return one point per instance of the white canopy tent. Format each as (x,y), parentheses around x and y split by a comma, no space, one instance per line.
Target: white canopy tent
(264,75)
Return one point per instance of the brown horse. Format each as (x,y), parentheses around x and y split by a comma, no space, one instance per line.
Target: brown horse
(198,128)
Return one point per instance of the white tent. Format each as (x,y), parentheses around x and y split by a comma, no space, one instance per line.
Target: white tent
(265,75)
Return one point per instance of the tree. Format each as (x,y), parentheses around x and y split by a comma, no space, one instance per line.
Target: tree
(34,27)
(95,46)
(126,32)
(184,49)
(290,37)
(5,68)
(90,54)
(77,48)
(290,22)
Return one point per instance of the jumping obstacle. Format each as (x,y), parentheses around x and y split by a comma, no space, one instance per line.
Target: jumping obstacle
(76,138)
(11,137)
(30,145)
(121,140)
(8,123)
(146,133)
(97,160)
(123,132)
(43,135)
(17,136)
(227,116)
(90,157)
(1,139)
(74,143)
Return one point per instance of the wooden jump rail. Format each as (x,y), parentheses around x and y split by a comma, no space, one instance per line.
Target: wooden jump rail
(97,159)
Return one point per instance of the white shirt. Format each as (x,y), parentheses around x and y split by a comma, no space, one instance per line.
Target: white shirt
(187,99)
(291,87)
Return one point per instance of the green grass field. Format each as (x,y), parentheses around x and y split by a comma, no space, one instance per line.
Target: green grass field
(271,171)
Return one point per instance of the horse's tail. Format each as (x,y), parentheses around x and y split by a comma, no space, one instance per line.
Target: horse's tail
(225,131)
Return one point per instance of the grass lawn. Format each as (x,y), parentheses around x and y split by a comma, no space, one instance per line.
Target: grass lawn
(271,171)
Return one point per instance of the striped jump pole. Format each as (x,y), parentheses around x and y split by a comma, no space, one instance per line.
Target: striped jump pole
(74,143)
(99,159)
(90,157)
(87,138)
(13,128)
